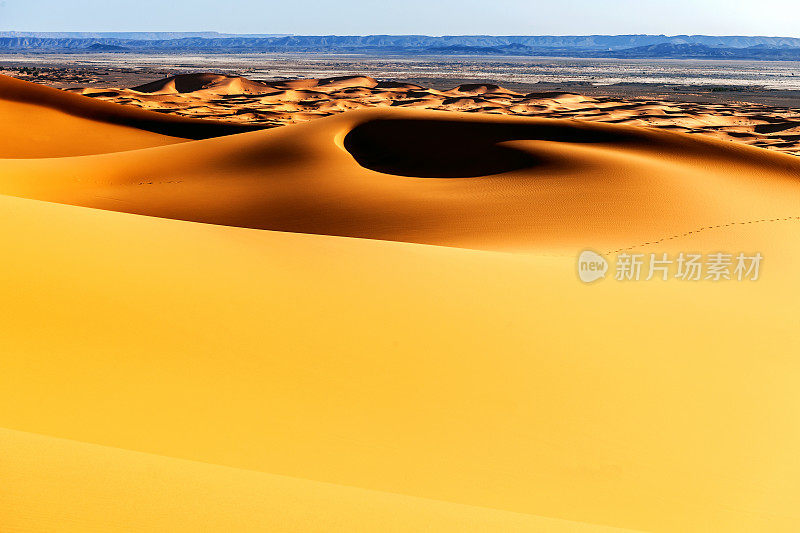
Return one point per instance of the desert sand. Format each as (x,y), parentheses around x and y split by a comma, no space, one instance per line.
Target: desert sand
(237,99)
(371,322)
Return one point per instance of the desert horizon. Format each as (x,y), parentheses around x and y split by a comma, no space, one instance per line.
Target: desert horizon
(338,291)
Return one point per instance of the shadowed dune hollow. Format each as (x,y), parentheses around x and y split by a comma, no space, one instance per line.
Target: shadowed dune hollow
(458,149)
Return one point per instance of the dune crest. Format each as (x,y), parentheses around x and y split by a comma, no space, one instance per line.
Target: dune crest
(47,122)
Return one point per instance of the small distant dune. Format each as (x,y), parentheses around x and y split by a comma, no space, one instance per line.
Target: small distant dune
(347,81)
(479,88)
(203,82)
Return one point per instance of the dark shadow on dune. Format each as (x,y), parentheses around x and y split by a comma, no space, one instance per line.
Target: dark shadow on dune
(775,127)
(191,128)
(457,149)
(549,94)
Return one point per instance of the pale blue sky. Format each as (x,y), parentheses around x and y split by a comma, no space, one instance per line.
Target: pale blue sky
(431,17)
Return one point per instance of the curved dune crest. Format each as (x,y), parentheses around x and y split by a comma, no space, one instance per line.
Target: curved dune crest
(45,122)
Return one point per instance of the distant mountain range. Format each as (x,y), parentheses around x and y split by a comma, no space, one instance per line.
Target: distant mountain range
(613,46)
(702,51)
(132,35)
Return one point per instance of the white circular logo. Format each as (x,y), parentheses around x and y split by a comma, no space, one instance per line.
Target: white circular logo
(591,266)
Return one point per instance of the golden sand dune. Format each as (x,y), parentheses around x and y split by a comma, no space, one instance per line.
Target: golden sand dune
(203,83)
(238,99)
(164,375)
(73,478)
(45,122)
(512,183)
(485,379)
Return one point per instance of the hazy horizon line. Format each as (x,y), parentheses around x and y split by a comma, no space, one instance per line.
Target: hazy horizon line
(277,34)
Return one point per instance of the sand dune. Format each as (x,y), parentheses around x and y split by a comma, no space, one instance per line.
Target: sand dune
(205,84)
(340,373)
(238,99)
(492,380)
(368,174)
(45,122)
(77,479)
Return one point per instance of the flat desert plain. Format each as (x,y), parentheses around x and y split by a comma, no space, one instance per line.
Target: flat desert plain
(371,321)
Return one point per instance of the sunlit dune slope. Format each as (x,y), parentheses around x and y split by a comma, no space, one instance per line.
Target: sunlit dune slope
(486,379)
(40,121)
(509,183)
(78,480)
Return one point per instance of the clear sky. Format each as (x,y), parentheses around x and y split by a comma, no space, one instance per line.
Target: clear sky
(430,17)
